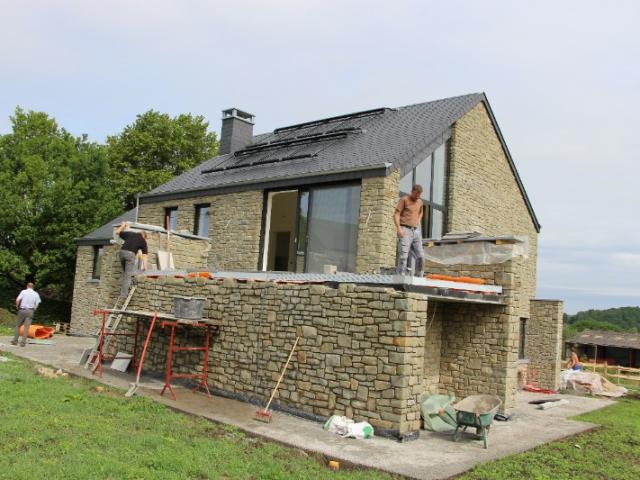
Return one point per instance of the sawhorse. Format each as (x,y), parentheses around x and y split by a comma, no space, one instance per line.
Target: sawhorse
(172,348)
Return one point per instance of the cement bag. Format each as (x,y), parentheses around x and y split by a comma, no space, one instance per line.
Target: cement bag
(345,427)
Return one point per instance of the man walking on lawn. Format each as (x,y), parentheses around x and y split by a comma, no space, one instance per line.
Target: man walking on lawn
(407,218)
(26,303)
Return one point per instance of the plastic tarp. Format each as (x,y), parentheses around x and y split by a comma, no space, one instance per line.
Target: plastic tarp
(437,413)
(477,253)
(591,382)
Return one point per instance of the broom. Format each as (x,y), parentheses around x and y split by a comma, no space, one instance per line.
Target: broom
(265,415)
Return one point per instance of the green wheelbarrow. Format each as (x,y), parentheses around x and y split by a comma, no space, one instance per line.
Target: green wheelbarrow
(474,411)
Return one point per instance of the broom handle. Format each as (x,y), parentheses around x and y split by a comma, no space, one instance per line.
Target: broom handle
(273,394)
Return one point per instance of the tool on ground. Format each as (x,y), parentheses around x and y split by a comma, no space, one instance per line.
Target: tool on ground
(133,387)
(90,355)
(265,415)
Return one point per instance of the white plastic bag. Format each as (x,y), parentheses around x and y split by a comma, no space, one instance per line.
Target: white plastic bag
(345,427)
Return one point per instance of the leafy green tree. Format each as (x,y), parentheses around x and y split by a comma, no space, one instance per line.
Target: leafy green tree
(156,148)
(52,191)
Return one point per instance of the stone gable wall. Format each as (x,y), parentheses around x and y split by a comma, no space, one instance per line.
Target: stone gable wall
(482,192)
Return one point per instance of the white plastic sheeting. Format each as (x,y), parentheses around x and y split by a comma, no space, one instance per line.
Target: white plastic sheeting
(477,252)
(591,382)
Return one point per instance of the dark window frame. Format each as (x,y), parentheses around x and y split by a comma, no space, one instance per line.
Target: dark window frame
(429,204)
(96,266)
(522,341)
(167,217)
(196,224)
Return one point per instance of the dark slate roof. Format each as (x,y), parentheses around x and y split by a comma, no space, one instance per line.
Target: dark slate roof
(350,147)
(104,234)
(607,339)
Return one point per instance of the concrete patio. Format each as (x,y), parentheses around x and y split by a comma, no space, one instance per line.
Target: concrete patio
(432,456)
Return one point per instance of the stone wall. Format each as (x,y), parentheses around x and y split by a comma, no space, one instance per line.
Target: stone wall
(479,342)
(376,232)
(234,226)
(482,191)
(90,294)
(543,342)
(361,351)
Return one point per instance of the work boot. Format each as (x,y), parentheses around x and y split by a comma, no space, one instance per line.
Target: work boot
(13,342)
(23,344)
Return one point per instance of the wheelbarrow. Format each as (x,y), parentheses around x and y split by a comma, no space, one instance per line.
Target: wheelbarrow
(474,411)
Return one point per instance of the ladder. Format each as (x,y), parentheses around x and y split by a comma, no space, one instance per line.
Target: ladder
(112,324)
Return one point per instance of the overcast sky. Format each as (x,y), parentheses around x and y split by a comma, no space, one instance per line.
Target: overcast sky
(562,77)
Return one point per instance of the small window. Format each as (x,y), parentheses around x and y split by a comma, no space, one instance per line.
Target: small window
(171,218)
(201,224)
(523,338)
(98,251)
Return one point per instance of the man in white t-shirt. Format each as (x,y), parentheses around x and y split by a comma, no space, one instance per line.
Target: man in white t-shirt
(26,303)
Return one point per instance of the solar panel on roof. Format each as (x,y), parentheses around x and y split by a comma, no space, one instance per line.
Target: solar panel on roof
(339,118)
(259,162)
(299,140)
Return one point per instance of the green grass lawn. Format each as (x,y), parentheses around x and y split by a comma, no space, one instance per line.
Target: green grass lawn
(63,428)
(611,452)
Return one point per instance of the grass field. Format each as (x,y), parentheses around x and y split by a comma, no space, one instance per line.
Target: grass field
(610,452)
(62,428)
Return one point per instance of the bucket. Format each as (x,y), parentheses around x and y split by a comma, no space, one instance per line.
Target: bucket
(189,308)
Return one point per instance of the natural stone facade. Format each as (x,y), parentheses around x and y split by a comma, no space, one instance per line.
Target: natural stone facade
(234,226)
(543,347)
(90,294)
(482,192)
(479,342)
(376,232)
(361,352)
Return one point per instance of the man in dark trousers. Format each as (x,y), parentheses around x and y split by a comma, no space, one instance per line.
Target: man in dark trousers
(26,303)
(407,217)
(133,243)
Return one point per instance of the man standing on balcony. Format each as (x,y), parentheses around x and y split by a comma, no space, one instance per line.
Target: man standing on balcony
(407,217)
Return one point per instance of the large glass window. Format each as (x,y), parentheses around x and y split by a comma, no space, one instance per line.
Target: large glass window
(333,228)
(431,175)
(96,270)
(201,225)
(171,218)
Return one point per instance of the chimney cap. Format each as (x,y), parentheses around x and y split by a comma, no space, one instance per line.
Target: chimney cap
(239,114)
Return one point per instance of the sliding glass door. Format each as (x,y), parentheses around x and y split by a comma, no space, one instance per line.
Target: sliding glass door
(333,228)
(308,229)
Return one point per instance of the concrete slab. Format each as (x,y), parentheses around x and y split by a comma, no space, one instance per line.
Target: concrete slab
(432,456)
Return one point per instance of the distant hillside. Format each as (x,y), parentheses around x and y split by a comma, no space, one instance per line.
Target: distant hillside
(623,319)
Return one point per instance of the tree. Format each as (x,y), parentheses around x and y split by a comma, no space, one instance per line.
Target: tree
(156,148)
(51,192)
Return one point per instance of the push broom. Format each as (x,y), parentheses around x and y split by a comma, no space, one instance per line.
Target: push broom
(265,415)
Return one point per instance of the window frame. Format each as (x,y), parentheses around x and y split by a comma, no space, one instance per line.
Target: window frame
(167,218)
(429,204)
(196,224)
(522,340)
(96,264)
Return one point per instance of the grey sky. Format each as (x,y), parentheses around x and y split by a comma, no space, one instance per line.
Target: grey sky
(563,79)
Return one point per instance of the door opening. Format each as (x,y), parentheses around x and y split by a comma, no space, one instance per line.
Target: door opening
(281,231)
